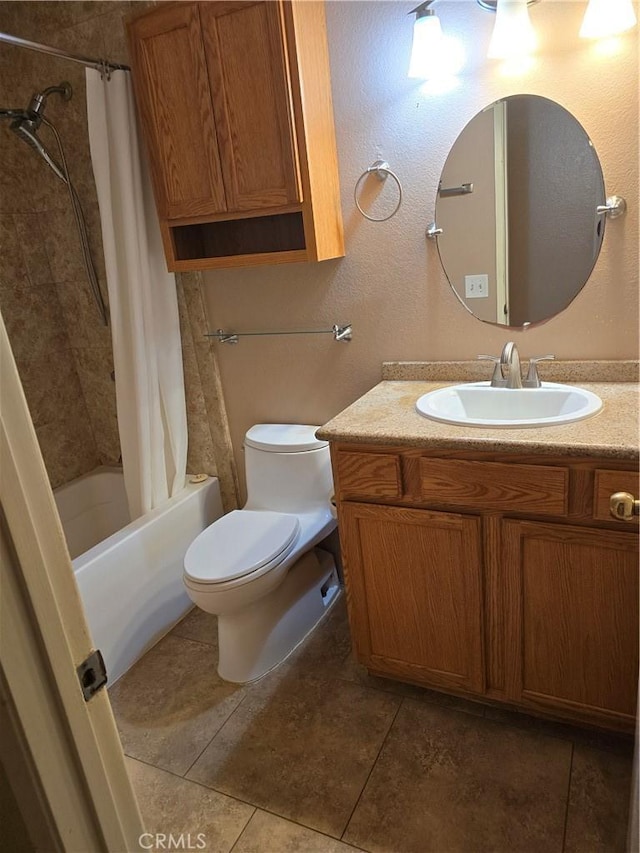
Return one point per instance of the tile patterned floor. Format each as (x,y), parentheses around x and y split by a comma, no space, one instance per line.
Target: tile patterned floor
(320,757)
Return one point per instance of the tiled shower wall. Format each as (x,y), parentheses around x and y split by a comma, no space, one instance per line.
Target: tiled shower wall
(210,448)
(63,352)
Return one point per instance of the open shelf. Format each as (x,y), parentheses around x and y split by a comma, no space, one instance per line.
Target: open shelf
(283,232)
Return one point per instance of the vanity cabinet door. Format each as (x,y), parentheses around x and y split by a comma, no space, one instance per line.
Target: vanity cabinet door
(414,593)
(572,620)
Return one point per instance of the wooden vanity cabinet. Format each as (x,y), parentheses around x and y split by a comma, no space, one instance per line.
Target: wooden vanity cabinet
(416,593)
(494,576)
(235,105)
(572,618)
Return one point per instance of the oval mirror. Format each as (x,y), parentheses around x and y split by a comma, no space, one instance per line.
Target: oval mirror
(517,207)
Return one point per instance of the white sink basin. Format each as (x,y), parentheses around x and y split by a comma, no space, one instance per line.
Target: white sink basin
(478,404)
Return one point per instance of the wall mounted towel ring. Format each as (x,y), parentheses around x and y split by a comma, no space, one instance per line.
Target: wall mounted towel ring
(381,170)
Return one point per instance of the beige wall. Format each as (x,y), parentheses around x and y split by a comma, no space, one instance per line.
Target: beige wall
(390,284)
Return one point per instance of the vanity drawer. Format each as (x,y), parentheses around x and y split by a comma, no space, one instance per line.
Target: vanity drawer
(538,489)
(373,475)
(607,483)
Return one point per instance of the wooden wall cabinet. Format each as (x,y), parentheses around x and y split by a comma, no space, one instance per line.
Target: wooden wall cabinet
(234,98)
(496,577)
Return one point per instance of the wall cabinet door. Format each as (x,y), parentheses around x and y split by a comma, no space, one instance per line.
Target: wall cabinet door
(414,593)
(174,100)
(246,59)
(572,611)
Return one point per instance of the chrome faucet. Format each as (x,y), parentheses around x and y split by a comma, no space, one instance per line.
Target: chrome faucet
(506,373)
(510,359)
(533,380)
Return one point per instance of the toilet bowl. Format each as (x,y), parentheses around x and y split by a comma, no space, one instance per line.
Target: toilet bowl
(257,568)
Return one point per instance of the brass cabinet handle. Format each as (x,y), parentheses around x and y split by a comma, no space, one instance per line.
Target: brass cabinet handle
(623,506)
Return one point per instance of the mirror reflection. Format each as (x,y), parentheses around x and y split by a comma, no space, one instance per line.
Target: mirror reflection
(517,207)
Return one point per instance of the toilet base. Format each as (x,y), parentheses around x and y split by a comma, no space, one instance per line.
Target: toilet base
(255,639)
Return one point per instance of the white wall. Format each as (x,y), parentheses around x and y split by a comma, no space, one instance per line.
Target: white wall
(390,285)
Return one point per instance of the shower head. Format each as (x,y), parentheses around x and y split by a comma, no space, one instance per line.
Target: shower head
(25,123)
(39,100)
(26,129)
(35,111)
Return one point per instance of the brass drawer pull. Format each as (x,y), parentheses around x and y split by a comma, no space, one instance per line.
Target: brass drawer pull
(624,506)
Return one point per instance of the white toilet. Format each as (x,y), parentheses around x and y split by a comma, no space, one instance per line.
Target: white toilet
(256,568)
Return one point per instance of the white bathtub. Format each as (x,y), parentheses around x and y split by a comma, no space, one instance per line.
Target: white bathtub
(130,574)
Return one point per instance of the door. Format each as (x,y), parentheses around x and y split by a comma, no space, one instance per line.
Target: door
(249,79)
(78,793)
(174,101)
(572,629)
(414,591)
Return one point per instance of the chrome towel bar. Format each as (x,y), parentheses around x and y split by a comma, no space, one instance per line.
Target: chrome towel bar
(464,189)
(342,334)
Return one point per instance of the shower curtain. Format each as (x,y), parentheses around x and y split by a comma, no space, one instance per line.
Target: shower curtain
(145,329)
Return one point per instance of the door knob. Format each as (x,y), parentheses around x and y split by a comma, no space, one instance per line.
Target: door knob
(623,506)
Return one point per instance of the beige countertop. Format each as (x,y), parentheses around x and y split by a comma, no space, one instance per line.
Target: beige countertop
(387,415)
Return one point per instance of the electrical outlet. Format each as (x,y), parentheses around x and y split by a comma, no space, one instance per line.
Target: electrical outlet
(476,286)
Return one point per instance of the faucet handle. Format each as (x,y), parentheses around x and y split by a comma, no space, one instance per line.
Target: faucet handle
(497,380)
(533,380)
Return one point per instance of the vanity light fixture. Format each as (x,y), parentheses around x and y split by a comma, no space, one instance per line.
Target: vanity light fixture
(427,41)
(433,55)
(513,33)
(605,18)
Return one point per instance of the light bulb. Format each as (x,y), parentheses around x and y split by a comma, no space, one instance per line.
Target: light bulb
(605,18)
(513,33)
(427,46)
(433,55)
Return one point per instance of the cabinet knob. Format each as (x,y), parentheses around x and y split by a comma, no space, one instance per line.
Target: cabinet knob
(623,506)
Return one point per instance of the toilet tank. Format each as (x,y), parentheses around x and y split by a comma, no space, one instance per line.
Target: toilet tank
(288,469)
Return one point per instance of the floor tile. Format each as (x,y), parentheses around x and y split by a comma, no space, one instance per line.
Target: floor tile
(455,782)
(301,748)
(171,805)
(200,626)
(598,815)
(171,703)
(266,833)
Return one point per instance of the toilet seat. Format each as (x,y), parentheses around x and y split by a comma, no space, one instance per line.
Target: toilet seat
(284,438)
(242,543)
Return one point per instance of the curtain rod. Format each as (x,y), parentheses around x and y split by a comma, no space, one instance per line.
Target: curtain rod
(98,64)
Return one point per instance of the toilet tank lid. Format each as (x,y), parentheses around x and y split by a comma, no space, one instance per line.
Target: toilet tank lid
(284,438)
